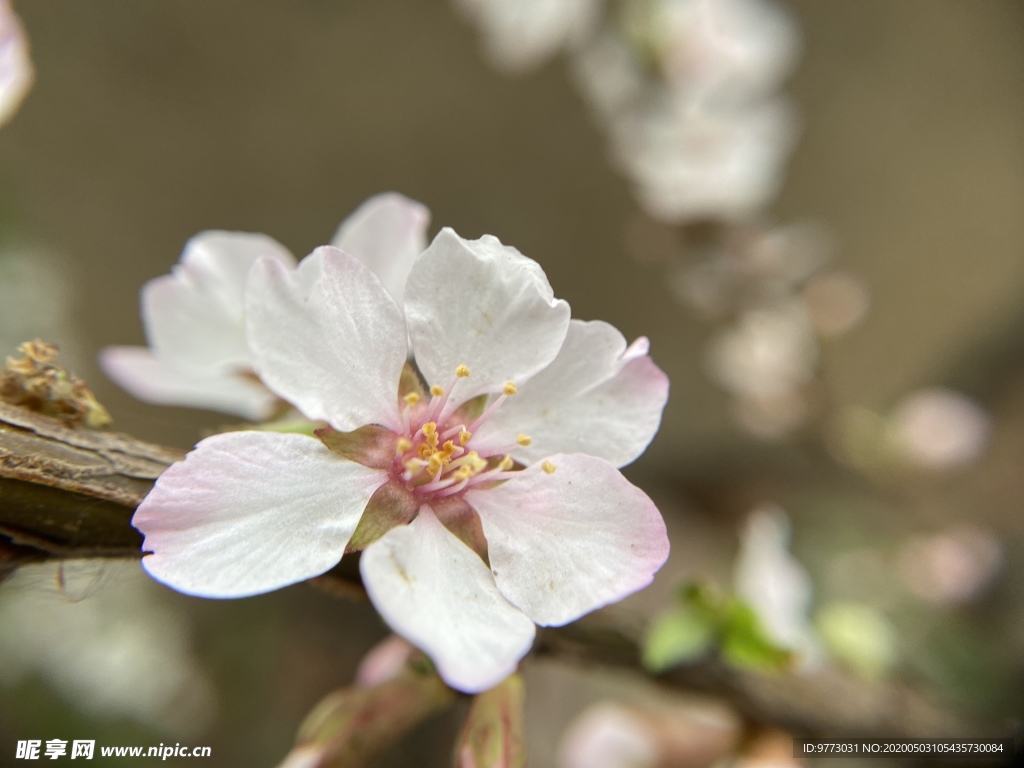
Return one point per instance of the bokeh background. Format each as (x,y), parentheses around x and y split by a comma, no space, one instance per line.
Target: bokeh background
(150,122)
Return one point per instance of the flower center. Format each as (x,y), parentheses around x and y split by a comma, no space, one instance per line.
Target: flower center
(436,456)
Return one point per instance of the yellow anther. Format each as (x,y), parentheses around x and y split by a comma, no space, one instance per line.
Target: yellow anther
(412,398)
(510,389)
(462,473)
(425,451)
(429,428)
(437,391)
(402,444)
(436,462)
(462,371)
(523,440)
(464,437)
(477,463)
(412,466)
(548,467)
(432,440)
(448,448)
(506,464)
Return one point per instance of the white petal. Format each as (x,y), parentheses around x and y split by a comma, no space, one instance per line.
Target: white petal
(328,338)
(249,512)
(16,71)
(386,233)
(438,594)
(597,397)
(147,377)
(482,304)
(194,316)
(565,543)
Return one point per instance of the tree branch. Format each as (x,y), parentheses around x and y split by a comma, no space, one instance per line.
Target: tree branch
(71,493)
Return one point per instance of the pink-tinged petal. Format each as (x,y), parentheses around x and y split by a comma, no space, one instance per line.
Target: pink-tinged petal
(147,377)
(328,338)
(482,304)
(250,512)
(564,543)
(597,397)
(194,316)
(386,233)
(16,71)
(438,594)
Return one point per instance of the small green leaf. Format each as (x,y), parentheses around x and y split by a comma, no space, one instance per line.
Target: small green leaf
(745,643)
(676,638)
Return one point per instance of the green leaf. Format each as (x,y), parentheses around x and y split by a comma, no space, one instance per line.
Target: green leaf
(746,645)
(677,637)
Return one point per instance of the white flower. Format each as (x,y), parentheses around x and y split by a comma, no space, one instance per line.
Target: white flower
(689,162)
(16,71)
(776,585)
(194,317)
(488,522)
(521,34)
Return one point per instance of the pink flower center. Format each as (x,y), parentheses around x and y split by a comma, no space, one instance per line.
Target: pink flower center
(436,456)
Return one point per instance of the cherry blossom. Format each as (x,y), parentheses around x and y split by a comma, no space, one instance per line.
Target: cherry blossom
(195,319)
(481,486)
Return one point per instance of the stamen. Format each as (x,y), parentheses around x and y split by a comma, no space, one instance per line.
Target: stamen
(508,391)
(462,371)
(464,437)
(402,445)
(523,440)
(436,391)
(411,399)
(548,467)
(506,464)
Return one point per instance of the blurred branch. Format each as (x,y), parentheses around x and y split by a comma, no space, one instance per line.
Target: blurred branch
(69,493)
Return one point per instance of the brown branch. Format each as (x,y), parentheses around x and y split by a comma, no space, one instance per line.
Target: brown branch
(71,493)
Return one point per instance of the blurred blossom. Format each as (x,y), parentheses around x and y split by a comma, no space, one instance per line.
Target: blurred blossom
(950,567)
(522,34)
(16,71)
(683,734)
(688,162)
(774,583)
(724,52)
(837,302)
(609,736)
(769,352)
(940,429)
(384,661)
(106,641)
(753,265)
(770,418)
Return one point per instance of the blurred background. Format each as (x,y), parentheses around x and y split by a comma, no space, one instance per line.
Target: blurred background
(839,307)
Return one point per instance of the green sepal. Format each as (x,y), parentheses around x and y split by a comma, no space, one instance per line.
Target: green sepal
(372,445)
(390,506)
(463,521)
